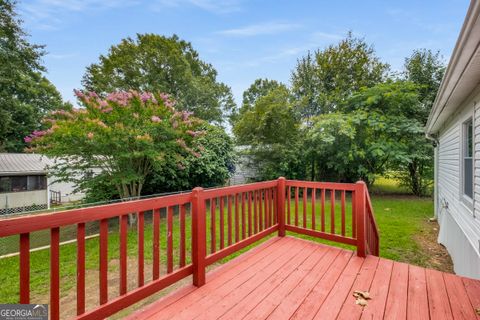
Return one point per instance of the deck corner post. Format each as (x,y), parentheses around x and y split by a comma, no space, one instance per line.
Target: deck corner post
(281,206)
(360,189)
(199,241)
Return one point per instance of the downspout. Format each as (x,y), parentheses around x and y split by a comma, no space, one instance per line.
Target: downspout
(436,144)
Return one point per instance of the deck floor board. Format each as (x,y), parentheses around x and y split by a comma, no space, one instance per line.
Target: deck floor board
(290,278)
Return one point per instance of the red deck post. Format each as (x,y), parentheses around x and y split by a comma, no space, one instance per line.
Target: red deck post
(198,237)
(281,206)
(360,189)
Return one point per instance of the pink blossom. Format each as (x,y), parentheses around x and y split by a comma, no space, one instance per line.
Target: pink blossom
(196,154)
(79,94)
(90,135)
(155,119)
(186,115)
(145,96)
(103,103)
(27,139)
(38,133)
(107,110)
(164,97)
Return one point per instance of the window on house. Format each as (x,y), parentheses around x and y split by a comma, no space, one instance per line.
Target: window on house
(37,183)
(468,158)
(22,183)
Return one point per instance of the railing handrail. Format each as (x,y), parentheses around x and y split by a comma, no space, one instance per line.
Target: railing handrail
(30,223)
(370,207)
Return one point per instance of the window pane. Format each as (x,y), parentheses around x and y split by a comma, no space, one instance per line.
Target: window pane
(468,177)
(5,184)
(37,183)
(19,183)
(469,140)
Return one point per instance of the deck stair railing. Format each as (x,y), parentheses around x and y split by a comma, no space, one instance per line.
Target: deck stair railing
(191,231)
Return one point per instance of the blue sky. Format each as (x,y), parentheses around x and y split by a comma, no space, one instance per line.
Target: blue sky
(244,40)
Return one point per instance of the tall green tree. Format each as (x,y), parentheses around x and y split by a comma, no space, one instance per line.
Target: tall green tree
(322,81)
(259,88)
(270,129)
(157,63)
(375,132)
(426,69)
(25,94)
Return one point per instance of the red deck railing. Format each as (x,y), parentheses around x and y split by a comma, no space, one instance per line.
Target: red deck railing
(247,213)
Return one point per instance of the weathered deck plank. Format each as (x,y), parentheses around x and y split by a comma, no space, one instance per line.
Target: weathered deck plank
(289,278)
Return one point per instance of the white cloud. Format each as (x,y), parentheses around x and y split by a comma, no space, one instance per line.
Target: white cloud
(214,6)
(60,56)
(260,29)
(314,41)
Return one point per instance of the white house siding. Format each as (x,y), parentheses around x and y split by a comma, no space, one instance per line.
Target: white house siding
(459,226)
(25,200)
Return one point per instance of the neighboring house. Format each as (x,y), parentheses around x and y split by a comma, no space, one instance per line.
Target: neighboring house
(454,124)
(26,186)
(244,170)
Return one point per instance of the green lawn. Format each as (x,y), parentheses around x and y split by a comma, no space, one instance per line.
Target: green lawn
(399,218)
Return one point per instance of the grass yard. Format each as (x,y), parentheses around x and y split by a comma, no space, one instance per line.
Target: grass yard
(405,235)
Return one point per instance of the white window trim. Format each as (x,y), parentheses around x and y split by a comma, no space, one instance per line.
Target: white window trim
(465,199)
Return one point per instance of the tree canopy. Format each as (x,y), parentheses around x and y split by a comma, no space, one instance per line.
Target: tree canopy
(122,137)
(345,118)
(323,80)
(25,94)
(156,63)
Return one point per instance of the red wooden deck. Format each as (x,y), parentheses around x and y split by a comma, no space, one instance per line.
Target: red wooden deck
(290,278)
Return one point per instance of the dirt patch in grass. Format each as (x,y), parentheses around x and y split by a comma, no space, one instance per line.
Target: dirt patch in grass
(436,255)
(68,299)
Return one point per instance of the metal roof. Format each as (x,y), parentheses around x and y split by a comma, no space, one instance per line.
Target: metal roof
(23,163)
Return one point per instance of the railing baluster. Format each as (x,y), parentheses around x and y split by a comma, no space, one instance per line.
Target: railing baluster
(123,253)
(141,248)
(229,219)
(323,211)
(289,196)
(255,212)
(55,273)
(243,216)
(313,200)
(80,268)
(332,211)
(305,207)
(103,265)
(170,239)
(343,212)
(260,211)
(156,244)
(274,206)
(237,220)
(222,224)
(249,195)
(182,261)
(25,268)
(213,236)
(354,216)
(296,206)
(267,208)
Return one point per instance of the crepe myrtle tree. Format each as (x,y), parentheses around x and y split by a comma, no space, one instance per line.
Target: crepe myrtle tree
(122,138)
